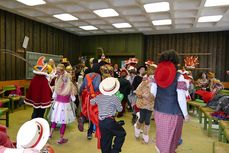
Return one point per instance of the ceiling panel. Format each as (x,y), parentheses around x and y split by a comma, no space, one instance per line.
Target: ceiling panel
(71,7)
(123,2)
(183,13)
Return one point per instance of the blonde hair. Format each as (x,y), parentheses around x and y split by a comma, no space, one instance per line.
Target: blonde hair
(150,70)
(64,85)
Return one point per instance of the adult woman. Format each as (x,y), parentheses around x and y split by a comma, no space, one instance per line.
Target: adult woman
(202,82)
(169,88)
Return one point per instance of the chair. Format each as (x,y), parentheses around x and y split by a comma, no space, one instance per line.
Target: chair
(5,111)
(13,99)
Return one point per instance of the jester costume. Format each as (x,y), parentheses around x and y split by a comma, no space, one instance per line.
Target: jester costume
(90,89)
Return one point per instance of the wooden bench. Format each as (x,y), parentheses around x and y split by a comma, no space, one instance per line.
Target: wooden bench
(196,106)
(219,147)
(224,92)
(222,126)
(5,101)
(5,111)
(208,118)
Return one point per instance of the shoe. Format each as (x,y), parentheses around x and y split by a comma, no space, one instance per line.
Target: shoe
(89,136)
(121,122)
(81,124)
(136,131)
(145,138)
(180,141)
(120,115)
(62,141)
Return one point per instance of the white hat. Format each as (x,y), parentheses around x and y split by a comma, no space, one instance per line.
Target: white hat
(131,68)
(33,134)
(109,86)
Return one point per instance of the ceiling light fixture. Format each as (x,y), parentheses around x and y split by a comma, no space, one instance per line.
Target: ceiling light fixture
(157,7)
(32,2)
(210,3)
(122,25)
(89,27)
(214,18)
(162,22)
(106,12)
(65,17)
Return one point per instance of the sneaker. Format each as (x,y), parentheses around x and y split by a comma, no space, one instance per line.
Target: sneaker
(62,141)
(81,124)
(89,136)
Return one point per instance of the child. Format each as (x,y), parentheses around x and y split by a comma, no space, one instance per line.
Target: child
(38,132)
(145,101)
(108,104)
(39,94)
(62,110)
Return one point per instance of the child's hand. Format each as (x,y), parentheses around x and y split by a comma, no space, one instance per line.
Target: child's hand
(187,118)
(30,150)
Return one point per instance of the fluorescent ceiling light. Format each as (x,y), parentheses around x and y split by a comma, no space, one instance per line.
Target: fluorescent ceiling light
(88,27)
(122,25)
(32,2)
(210,3)
(156,7)
(213,18)
(106,12)
(162,22)
(65,17)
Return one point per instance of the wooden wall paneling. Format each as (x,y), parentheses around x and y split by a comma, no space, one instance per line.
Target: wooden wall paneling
(29,33)
(20,34)
(66,45)
(55,40)
(205,42)
(2,46)
(43,42)
(103,42)
(134,44)
(49,40)
(61,43)
(212,48)
(36,38)
(10,60)
(227,56)
(70,49)
(223,47)
(43,38)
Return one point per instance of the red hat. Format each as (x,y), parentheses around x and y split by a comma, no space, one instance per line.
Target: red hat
(123,70)
(165,74)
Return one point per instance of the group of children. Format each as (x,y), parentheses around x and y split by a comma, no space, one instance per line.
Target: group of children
(101,90)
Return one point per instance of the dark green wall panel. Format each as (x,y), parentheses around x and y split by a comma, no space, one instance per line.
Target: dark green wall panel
(113,44)
(42,38)
(216,43)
